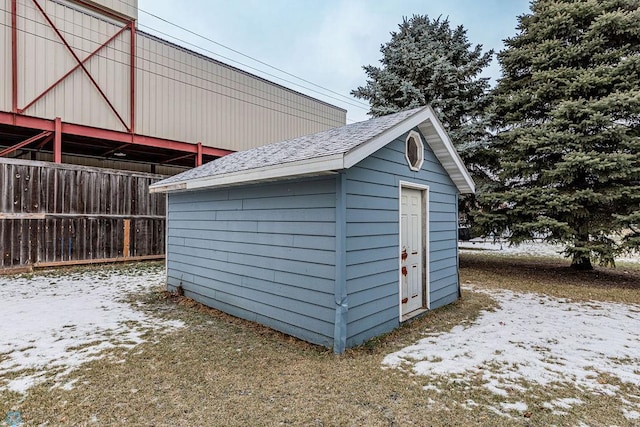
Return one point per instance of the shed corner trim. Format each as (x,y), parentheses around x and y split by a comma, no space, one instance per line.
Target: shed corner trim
(341,296)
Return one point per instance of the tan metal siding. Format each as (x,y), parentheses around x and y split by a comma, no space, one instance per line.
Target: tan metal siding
(180,95)
(128,8)
(5,58)
(192,98)
(43,59)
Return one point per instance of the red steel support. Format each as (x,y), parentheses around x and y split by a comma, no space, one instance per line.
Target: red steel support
(199,155)
(24,143)
(109,135)
(175,159)
(73,53)
(57,141)
(91,55)
(14,55)
(132,78)
(113,150)
(45,141)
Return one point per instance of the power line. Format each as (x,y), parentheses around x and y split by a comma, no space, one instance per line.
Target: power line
(363,105)
(252,92)
(200,77)
(155,30)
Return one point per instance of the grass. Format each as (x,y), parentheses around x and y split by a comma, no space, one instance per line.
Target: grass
(552,276)
(220,370)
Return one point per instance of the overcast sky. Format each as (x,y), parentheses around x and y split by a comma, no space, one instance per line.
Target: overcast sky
(325,42)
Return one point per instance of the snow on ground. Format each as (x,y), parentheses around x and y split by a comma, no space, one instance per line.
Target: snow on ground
(540,249)
(54,322)
(537,339)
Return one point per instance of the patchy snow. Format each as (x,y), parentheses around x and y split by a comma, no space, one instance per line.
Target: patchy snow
(471,403)
(565,403)
(432,387)
(54,322)
(631,415)
(536,249)
(516,406)
(538,339)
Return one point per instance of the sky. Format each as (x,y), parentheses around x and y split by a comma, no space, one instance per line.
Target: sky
(324,42)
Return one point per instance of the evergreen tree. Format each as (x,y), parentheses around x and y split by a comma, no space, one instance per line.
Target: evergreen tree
(428,62)
(567,114)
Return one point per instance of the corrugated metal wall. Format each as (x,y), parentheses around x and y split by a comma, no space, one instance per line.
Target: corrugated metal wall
(189,96)
(5,57)
(180,95)
(43,59)
(127,8)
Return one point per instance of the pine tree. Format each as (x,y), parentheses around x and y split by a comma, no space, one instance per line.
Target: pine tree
(567,114)
(428,62)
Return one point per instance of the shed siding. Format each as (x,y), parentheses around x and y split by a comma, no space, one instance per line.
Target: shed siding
(264,253)
(373,233)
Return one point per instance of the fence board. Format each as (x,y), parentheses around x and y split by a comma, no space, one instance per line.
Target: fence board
(51,214)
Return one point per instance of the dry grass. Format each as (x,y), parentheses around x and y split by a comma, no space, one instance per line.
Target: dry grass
(553,277)
(220,370)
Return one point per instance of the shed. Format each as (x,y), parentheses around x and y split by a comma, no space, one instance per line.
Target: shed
(334,237)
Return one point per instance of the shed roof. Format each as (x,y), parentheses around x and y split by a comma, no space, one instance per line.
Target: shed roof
(323,152)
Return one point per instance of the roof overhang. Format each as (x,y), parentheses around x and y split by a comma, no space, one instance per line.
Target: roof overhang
(425,120)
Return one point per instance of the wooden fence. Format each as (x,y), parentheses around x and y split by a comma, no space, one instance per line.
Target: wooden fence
(57,214)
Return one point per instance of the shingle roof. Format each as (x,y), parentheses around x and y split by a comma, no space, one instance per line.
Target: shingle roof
(322,152)
(333,141)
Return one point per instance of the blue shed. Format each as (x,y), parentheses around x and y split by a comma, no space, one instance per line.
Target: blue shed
(334,237)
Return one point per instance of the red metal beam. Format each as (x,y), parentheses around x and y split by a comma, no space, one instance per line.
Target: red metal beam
(57,141)
(45,141)
(175,159)
(25,121)
(108,135)
(14,55)
(91,55)
(113,150)
(70,49)
(199,155)
(132,78)
(24,143)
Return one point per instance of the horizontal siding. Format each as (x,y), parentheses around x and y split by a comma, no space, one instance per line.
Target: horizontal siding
(265,253)
(373,233)
(447,299)
(5,56)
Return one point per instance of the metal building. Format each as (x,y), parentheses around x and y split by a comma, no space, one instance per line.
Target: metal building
(78,79)
(80,85)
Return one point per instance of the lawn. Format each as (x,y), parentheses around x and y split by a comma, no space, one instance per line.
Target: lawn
(158,359)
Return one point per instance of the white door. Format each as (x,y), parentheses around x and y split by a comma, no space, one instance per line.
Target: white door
(411,255)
